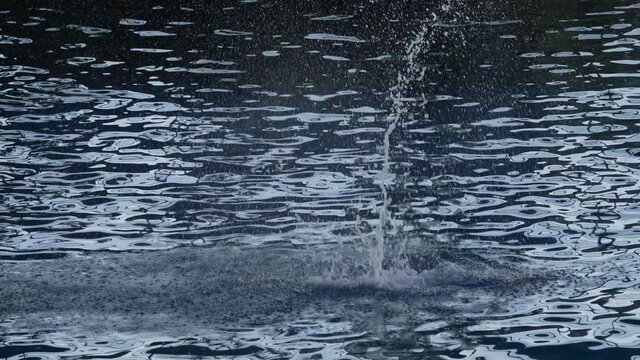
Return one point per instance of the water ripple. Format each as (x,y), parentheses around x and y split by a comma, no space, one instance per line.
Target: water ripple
(153,128)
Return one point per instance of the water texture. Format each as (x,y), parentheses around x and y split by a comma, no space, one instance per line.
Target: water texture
(319,179)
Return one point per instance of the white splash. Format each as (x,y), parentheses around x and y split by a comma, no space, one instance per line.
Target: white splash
(413,72)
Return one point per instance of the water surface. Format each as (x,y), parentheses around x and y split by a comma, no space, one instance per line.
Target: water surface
(204,179)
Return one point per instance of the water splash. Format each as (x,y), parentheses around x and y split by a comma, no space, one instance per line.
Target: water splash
(413,72)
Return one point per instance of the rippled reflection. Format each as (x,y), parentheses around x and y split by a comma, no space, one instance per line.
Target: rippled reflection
(134,127)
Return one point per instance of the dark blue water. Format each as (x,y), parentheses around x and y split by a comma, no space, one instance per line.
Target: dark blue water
(202,179)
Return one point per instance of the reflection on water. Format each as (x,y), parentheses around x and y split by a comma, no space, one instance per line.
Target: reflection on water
(139,127)
(305,336)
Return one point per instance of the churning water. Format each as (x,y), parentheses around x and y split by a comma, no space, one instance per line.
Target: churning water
(319,179)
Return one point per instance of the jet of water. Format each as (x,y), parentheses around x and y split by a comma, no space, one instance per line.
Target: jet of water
(412,72)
